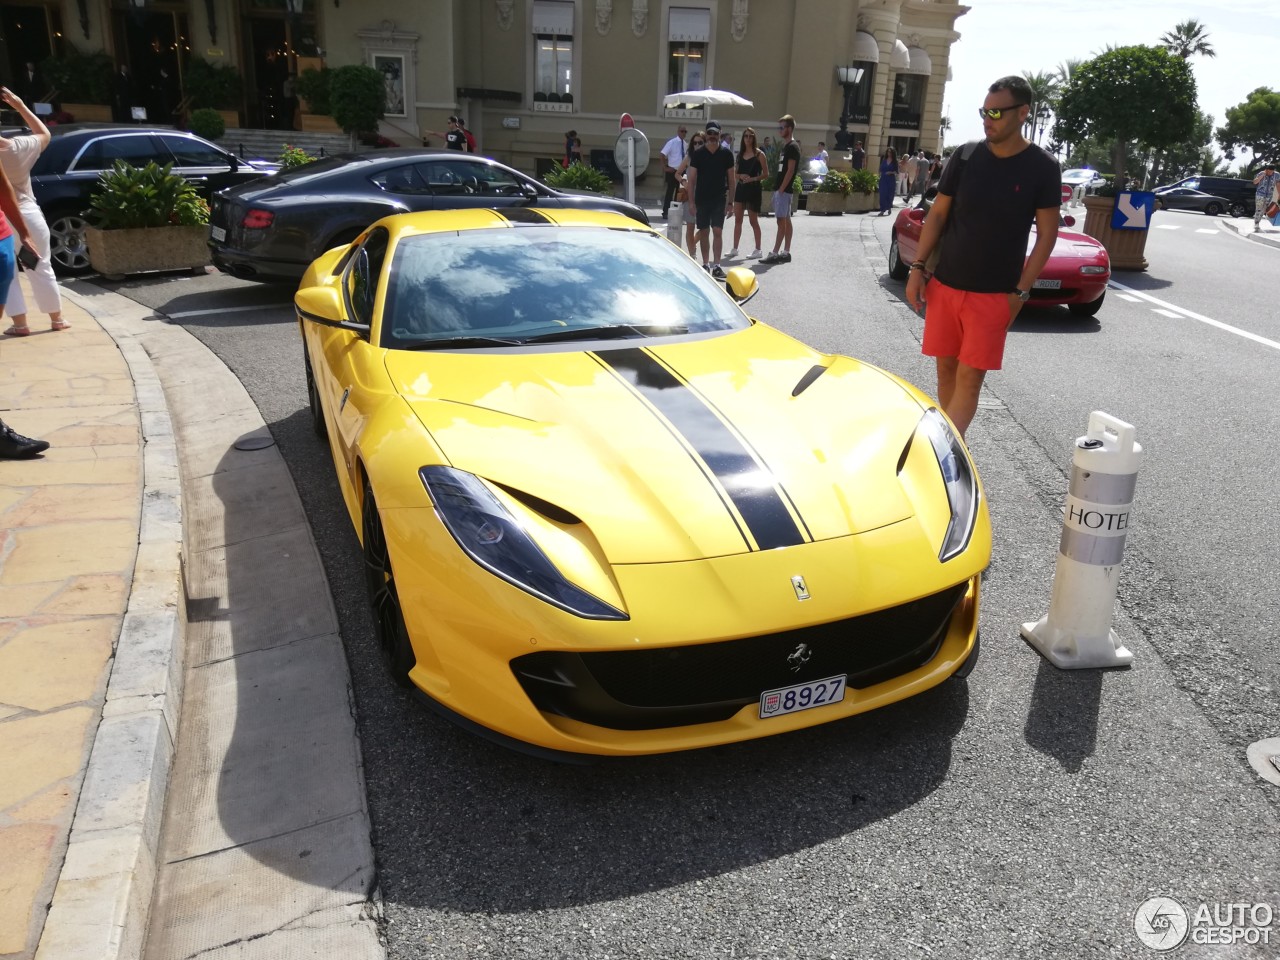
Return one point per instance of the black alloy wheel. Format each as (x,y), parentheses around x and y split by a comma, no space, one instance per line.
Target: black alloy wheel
(384,600)
(68,248)
(1213,209)
(1239,210)
(313,399)
(897,269)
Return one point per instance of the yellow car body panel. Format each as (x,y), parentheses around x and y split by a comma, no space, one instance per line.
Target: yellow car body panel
(606,456)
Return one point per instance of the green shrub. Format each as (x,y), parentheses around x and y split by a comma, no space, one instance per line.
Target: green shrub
(293,156)
(313,87)
(128,197)
(863,181)
(208,123)
(357,98)
(212,85)
(578,176)
(835,182)
(80,77)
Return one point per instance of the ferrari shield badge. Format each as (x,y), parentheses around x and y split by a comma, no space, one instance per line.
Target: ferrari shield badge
(800,587)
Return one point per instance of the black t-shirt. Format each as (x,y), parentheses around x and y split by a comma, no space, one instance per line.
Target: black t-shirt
(455,140)
(790,152)
(993,208)
(713,173)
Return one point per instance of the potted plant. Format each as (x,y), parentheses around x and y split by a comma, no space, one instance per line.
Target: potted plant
(357,99)
(863,188)
(82,82)
(146,218)
(211,86)
(313,95)
(208,123)
(828,199)
(578,176)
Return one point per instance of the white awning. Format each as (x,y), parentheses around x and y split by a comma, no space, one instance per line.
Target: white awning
(865,47)
(900,59)
(689,23)
(920,62)
(554,17)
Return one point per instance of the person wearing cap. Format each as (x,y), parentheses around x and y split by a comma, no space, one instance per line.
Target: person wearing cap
(712,180)
(455,138)
(1265,184)
(672,153)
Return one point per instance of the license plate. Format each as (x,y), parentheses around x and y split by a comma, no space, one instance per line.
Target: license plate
(218,233)
(802,696)
(1048,284)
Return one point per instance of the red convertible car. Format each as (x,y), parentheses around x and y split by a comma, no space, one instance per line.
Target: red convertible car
(1076,274)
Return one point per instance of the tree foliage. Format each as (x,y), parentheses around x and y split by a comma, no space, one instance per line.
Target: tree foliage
(1132,93)
(1189,38)
(357,97)
(1253,125)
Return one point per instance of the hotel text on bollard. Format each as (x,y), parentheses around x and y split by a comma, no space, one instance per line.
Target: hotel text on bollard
(1076,633)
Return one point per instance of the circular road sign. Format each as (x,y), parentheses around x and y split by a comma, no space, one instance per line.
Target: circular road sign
(1067,193)
(641,148)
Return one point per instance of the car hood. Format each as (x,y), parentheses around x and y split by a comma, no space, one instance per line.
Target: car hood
(677,450)
(1070,244)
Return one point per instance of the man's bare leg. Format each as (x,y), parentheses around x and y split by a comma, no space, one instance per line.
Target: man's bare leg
(959,387)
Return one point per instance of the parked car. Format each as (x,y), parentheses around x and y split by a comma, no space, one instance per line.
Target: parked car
(812,172)
(1077,273)
(1238,195)
(65,176)
(1185,198)
(1083,177)
(605,512)
(273,229)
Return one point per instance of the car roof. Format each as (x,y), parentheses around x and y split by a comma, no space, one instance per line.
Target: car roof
(87,128)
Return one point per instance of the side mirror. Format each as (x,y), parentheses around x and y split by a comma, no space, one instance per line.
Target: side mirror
(741,284)
(323,305)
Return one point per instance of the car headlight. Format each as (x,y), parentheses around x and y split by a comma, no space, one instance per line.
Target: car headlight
(1094,268)
(957,476)
(493,538)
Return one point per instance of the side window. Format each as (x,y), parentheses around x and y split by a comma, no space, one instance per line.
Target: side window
(192,153)
(402,180)
(1192,184)
(469,178)
(441,179)
(363,273)
(137,149)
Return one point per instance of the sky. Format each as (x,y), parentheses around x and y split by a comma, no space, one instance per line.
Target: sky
(1001,37)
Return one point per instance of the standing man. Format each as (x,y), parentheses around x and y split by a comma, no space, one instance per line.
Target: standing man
(921,180)
(712,181)
(455,138)
(859,156)
(986,205)
(1264,188)
(672,154)
(788,164)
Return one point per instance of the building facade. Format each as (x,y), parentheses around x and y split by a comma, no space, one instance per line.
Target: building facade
(524,72)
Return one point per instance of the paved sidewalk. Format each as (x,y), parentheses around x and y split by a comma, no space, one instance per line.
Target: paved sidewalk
(93,638)
(1266,232)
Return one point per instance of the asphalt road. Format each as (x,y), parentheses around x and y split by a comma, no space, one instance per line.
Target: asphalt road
(1026,812)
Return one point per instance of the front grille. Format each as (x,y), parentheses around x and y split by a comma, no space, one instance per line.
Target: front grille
(701,683)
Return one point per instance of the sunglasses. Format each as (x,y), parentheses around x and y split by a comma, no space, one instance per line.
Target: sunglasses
(995,113)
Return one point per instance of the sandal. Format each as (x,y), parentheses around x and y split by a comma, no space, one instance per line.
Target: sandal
(17,331)
(59,325)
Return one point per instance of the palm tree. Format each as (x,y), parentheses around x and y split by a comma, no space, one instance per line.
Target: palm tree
(1044,92)
(1065,72)
(1188,39)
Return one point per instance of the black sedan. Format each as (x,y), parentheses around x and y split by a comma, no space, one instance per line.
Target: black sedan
(274,228)
(65,176)
(1184,198)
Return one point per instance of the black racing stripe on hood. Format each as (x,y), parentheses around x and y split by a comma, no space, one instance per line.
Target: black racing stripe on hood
(735,467)
(523,215)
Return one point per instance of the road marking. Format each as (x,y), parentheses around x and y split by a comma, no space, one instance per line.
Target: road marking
(1180,312)
(1203,230)
(1131,299)
(1168,226)
(1168,313)
(203,313)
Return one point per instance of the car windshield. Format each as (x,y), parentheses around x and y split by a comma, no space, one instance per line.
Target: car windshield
(547,283)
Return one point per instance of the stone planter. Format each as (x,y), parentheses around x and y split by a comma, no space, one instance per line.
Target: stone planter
(825,204)
(1126,248)
(121,252)
(861,202)
(766,203)
(89,112)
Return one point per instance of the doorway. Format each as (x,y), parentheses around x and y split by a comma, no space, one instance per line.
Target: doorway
(151,45)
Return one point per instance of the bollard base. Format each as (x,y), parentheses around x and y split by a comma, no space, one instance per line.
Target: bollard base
(1068,651)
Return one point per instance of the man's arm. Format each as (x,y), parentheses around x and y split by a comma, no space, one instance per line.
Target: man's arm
(934,224)
(692,174)
(733,182)
(34,123)
(788,174)
(1046,237)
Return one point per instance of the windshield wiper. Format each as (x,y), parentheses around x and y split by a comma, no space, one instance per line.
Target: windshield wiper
(614,331)
(444,343)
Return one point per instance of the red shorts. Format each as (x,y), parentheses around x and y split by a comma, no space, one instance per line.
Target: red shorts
(968,326)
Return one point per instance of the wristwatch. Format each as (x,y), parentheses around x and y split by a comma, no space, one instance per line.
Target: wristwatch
(1023,295)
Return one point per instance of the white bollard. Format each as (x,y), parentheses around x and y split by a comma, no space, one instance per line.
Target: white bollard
(1076,634)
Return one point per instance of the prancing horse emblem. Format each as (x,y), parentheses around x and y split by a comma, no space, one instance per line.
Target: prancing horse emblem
(800,656)
(800,587)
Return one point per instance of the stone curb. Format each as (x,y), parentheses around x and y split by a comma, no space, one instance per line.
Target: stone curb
(103,896)
(1270,237)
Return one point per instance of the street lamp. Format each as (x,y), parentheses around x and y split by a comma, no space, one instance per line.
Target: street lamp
(849,78)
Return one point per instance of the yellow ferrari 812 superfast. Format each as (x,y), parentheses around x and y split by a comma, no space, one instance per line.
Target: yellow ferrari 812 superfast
(603,511)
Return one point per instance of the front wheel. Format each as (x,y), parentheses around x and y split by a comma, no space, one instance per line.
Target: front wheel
(68,248)
(1087,309)
(1239,210)
(897,269)
(313,399)
(384,598)
(1213,209)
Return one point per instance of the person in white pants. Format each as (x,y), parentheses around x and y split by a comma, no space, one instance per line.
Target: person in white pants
(19,155)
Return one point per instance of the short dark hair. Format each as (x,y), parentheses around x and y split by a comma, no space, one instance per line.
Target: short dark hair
(1018,86)
(787,120)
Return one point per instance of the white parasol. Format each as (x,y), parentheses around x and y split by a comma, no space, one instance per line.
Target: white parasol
(699,98)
